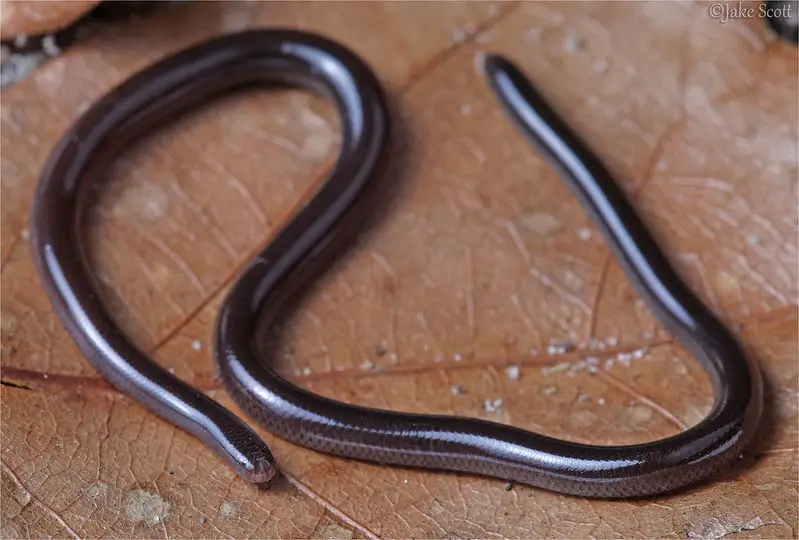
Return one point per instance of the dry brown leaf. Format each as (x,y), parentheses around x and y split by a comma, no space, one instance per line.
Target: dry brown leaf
(21,18)
(481,263)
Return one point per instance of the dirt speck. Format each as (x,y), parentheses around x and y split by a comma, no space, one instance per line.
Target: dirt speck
(541,222)
(563,366)
(50,47)
(8,323)
(316,146)
(319,139)
(227,510)
(479,63)
(98,491)
(513,373)
(160,274)
(560,348)
(494,406)
(17,66)
(581,419)
(236,20)
(727,283)
(332,531)
(753,240)
(457,390)
(572,43)
(145,507)
(600,66)
(146,201)
(639,414)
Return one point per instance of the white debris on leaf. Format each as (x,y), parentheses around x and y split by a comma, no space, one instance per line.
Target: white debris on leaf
(367,365)
(513,372)
(600,66)
(479,63)
(572,43)
(560,348)
(196,345)
(145,507)
(457,390)
(306,371)
(493,405)
(624,358)
(17,66)
(753,240)
(563,366)
(236,20)
(50,47)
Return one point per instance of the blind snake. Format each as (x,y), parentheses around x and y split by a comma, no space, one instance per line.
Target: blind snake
(302,250)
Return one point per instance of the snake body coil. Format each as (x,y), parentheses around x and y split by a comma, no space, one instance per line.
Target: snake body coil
(299,253)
